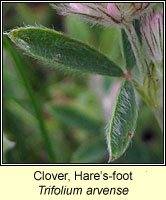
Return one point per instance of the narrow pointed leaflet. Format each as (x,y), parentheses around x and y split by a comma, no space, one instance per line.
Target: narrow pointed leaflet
(123,120)
(63,52)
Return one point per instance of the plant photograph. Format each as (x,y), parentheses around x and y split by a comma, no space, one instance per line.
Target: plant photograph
(83,83)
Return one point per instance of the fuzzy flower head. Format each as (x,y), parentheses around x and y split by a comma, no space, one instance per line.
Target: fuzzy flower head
(152,30)
(107,14)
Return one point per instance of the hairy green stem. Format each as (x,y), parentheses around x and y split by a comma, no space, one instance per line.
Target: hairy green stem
(33,100)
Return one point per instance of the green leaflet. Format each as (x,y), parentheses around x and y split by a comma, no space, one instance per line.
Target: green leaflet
(61,51)
(128,52)
(123,121)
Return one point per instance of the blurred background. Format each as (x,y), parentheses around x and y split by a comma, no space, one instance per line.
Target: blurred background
(75,107)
